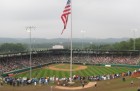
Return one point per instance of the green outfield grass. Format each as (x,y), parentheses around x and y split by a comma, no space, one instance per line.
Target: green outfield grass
(89,71)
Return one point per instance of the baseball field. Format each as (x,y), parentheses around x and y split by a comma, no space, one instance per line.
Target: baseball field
(62,70)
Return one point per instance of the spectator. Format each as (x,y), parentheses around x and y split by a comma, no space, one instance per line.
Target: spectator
(83,83)
(138,89)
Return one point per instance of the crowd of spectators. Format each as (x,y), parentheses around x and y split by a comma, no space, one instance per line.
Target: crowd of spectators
(19,62)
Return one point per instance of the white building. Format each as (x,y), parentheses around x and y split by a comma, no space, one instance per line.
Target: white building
(58,47)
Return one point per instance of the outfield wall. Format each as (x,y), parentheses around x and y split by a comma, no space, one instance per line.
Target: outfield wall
(39,66)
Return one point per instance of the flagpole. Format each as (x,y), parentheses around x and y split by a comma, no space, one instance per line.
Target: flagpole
(71,47)
(64,17)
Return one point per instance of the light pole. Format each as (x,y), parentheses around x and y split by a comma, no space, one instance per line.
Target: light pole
(90,45)
(82,31)
(34,49)
(134,38)
(30,48)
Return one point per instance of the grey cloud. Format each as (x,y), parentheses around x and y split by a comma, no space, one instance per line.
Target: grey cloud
(100,18)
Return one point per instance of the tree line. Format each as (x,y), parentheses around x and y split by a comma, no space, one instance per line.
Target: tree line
(123,45)
(11,47)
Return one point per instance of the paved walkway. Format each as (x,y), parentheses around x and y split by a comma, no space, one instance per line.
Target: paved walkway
(90,84)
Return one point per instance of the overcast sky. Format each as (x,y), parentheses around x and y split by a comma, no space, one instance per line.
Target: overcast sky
(99,18)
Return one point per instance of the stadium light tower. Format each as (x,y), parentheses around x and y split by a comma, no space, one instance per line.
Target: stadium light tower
(90,45)
(134,38)
(29,29)
(82,31)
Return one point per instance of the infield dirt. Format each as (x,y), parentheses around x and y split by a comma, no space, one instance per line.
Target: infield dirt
(66,67)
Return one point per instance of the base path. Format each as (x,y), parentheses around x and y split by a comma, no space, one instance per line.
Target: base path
(90,84)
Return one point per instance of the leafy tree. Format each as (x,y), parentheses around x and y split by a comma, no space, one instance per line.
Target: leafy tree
(11,47)
(123,45)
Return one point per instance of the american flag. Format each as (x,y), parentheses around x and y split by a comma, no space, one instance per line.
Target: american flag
(65,14)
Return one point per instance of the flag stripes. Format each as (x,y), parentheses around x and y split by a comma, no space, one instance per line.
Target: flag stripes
(66,12)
